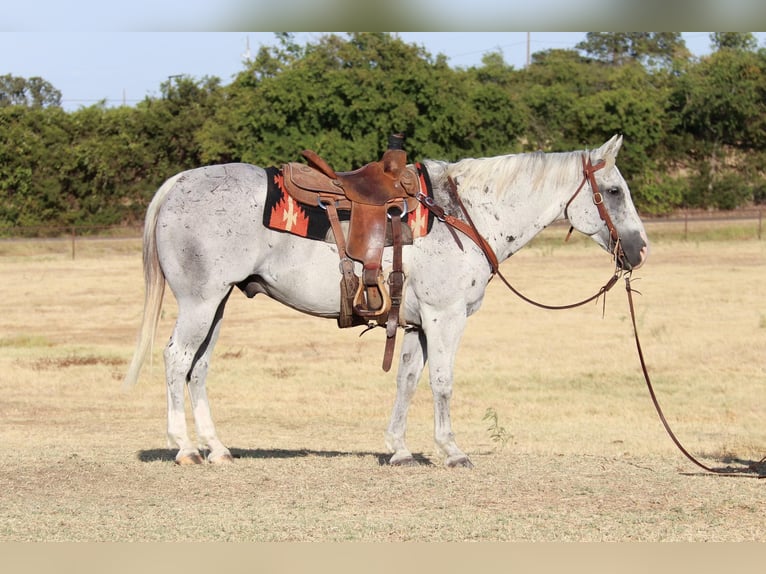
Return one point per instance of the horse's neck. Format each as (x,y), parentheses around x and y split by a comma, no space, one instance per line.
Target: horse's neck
(513,198)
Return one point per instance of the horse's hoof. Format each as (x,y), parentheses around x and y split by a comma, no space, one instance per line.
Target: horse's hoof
(189,459)
(403,461)
(223,459)
(458,462)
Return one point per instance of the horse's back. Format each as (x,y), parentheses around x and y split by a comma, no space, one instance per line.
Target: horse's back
(211,183)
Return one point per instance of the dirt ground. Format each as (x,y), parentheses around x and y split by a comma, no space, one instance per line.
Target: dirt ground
(583,456)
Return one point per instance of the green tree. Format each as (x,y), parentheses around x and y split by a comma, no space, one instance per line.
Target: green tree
(120,156)
(34,144)
(342,97)
(29,92)
(695,129)
(624,106)
(500,114)
(734,41)
(107,165)
(550,89)
(171,125)
(651,48)
(722,100)
(720,104)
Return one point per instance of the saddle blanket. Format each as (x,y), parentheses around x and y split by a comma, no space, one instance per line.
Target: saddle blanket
(283,213)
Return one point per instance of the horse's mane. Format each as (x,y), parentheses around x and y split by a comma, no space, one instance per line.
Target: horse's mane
(477,175)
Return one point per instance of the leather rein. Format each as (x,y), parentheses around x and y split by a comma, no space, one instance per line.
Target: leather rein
(468,228)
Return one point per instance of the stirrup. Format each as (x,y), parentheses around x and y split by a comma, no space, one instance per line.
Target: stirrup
(361,306)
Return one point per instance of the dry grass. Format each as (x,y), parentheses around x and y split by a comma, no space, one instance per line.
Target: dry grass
(585,459)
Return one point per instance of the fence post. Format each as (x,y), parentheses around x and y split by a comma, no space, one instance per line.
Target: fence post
(74,232)
(760,223)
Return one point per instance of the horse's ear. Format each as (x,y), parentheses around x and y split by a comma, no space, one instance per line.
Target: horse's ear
(608,151)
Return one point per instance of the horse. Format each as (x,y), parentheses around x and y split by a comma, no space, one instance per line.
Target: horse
(203,237)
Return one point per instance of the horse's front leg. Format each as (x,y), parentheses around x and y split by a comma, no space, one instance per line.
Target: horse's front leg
(412,360)
(443,337)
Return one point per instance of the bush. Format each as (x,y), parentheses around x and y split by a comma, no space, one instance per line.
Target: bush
(759,193)
(659,194)
(725,191)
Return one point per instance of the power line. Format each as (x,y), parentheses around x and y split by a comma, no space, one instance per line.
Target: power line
(85,101)
(530,42)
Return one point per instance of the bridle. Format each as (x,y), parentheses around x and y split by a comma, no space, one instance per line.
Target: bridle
(588,169)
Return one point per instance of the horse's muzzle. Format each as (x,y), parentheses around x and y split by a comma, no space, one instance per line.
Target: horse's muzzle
(632,251)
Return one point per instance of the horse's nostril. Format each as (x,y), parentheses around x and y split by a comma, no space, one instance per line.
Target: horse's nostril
(640,259)
(643,254)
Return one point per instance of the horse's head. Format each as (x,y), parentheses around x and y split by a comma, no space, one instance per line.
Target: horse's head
(603,209)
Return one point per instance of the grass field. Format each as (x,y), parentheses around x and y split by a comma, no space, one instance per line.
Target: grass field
(584,457)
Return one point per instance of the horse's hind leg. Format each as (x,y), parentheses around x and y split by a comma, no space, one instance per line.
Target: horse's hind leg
(187,358)
(413,359)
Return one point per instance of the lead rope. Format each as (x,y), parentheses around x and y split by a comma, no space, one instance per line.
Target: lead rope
(753,468)
(471,231)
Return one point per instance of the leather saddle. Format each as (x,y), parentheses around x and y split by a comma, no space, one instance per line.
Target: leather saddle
(378,195)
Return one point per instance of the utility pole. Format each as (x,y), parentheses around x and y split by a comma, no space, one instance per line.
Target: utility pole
(528,48)
(247,56)
(170,82)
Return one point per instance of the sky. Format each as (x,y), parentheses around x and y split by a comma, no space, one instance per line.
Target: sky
(121,52)
(125,67)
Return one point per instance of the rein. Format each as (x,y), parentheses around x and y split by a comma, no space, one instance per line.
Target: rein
(589,170)
(752,468)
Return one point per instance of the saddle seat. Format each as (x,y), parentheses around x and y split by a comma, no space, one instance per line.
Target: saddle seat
(378,195)
(377,183)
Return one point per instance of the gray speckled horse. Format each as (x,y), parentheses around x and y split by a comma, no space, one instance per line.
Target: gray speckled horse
(204,237)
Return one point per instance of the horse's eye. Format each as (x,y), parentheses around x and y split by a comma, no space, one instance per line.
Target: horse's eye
(613,190)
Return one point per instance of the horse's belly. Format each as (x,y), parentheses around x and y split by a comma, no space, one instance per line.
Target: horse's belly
(301,274)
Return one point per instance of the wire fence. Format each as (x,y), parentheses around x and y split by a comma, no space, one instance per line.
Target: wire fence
(42,238)
(691,222)
(58,232)
(748,224)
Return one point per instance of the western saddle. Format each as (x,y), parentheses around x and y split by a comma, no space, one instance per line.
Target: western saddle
(378,195)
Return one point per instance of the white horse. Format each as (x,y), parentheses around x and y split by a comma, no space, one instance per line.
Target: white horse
(203,236)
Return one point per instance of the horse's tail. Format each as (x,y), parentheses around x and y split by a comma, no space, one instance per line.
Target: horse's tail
(154,281)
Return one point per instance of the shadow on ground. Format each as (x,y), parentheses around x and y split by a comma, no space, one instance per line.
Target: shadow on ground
(164,454)
(745,467)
